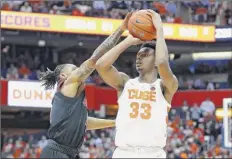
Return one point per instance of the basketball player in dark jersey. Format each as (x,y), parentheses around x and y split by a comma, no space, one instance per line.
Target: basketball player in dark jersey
(69,118)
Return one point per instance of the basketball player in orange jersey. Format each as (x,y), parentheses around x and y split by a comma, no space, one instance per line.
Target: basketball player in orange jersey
(144,102)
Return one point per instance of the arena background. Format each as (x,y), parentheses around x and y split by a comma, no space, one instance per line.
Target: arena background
(37,34)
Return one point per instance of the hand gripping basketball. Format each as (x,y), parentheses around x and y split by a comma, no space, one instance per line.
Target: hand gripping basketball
(141,26)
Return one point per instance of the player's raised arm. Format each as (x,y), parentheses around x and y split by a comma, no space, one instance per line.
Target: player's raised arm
(105,67)
(87,67)
(169,80)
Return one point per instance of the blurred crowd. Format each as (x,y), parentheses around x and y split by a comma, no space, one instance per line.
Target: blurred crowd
(26,63)
(193,132)
(197,11)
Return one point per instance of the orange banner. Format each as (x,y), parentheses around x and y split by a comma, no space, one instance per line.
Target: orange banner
(97,26)
(185,32)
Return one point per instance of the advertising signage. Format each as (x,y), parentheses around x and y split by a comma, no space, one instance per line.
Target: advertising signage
(97,26)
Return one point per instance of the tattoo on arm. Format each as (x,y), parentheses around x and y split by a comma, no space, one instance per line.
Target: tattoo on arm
(109,43)
(85,70)
(88,66)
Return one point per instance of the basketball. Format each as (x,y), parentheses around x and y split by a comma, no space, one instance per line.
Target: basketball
(141,26)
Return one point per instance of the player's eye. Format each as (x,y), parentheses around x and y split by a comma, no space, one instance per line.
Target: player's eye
(145,55)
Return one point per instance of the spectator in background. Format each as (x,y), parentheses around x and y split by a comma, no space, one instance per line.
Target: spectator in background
(99,5)
(5,6)
(26,7)
(44,7)
(228,13)
(189,83)
(32,141)
(42,142)
(3,72)
(12,72)
(230,73)
(195,112)
(24,70)
(54,10)
(2,140)
(170,18)
(207,107)
(9,146)
(36,61)
(77,12)
(210,86)
(19,143)
(212,13)
(220,16)
(199,84)
(25,77)
(83,8)
(84,152)
(41,69)
(184,114)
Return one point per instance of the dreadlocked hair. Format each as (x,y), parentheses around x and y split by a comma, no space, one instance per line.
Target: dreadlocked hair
(49,78)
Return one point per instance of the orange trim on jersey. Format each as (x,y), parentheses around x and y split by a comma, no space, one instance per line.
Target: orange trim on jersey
(144,95)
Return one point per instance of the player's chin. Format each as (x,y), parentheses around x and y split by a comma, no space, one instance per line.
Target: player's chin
(139,69)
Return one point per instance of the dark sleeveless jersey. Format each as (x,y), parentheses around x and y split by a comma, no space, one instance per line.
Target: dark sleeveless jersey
(68,120)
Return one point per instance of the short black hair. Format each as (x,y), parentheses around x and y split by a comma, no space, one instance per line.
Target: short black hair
(49,78)
(149,44)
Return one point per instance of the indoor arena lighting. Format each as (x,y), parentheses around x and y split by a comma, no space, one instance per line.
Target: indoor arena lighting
(209,55)
(212,55)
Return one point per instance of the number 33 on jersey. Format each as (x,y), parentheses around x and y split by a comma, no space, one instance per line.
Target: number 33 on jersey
(143,110)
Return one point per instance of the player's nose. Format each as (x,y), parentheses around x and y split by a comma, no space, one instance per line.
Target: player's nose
(139,57)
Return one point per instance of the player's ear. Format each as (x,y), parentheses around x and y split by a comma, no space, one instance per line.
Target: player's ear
(63,76)
(156,65)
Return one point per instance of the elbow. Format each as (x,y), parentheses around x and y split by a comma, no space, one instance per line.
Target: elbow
(162,62)
(175,85)
(92,63)
(100,66)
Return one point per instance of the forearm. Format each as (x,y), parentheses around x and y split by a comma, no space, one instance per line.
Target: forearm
(109,43)
(89,65)
(107,60)
(161,48)
(168,78)
(95,123)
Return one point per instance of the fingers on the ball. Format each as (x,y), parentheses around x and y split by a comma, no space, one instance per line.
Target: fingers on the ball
(149,13)
(134,11)
(152,12)
(128,14)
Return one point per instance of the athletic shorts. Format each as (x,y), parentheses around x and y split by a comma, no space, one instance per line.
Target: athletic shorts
(134,152)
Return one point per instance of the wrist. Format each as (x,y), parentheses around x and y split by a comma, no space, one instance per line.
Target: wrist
(159,32)
(127,42)
(122,28)
(113,122)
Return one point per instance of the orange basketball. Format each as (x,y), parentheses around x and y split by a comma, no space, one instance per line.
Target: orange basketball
(140,26)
